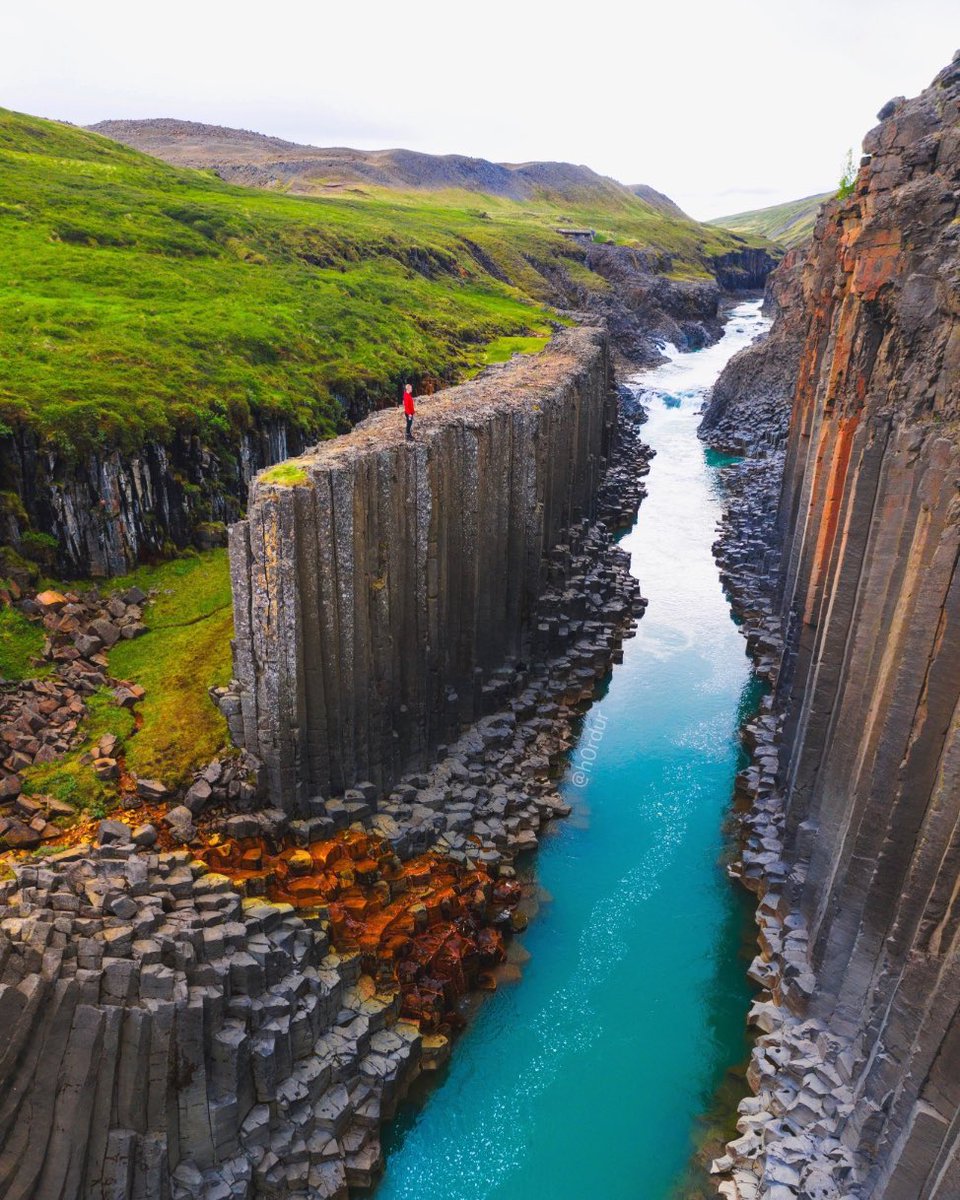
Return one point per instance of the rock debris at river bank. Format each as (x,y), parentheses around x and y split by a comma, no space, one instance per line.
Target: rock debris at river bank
(634,976)
(799,1071)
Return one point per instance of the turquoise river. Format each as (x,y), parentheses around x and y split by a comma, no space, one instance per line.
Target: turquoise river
(590,1076)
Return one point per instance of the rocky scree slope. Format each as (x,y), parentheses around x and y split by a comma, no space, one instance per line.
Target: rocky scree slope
(851,836)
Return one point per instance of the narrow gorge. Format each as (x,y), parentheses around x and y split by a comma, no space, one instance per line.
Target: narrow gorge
(239,998)
(584,817)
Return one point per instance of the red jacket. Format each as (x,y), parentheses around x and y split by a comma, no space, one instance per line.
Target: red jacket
(408,407)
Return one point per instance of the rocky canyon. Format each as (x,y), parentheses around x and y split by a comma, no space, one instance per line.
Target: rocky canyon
(256,977)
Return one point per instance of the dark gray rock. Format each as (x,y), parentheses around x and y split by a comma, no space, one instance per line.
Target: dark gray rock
(111,832)
(144,835)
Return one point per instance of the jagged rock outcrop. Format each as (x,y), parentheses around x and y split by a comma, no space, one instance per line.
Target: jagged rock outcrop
(377,597)
(749,406)
(644,307)
(743,270)
(853,840)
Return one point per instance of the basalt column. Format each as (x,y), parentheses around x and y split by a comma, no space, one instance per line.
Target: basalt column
(379,588)
(871,682)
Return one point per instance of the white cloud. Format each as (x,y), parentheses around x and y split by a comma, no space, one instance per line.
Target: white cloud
(722,106)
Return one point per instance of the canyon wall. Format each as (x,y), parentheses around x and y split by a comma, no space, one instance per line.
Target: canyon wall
(872,684)
(380,591)
(108,510)
(853,843)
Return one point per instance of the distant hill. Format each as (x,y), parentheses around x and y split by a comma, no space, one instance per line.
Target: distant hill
(789,224)
(254,159)
(658,200)
(151,299)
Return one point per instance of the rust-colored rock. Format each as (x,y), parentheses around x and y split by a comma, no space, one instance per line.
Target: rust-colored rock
(860,922)
(429,926)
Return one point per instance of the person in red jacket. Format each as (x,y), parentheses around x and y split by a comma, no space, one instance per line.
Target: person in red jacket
(409,409)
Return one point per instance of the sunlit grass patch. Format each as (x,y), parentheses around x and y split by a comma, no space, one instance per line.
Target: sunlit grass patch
(287,474)
(504,348)
(185,651)
(21,640)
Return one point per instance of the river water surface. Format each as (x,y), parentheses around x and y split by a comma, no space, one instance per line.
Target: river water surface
(588,1077)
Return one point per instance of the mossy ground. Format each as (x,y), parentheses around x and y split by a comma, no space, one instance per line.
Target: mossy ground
(21,640)
(185,651)
(72,780)
(504,348)
(287,474)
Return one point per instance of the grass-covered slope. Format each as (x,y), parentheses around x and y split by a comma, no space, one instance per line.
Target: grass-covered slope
(788,224)
(138,298)
(135,297)
(185,651)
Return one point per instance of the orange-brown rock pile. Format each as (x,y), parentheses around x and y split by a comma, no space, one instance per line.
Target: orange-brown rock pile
(429,926)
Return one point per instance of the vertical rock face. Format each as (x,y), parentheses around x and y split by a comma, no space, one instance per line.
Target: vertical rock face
(872,514)
(378,594)
(110,509)
(870,687)
(749,405)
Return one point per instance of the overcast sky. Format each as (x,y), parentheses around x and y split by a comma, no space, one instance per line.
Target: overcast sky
(722,104)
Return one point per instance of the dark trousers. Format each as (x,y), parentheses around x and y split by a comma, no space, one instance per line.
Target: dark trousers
(409,426)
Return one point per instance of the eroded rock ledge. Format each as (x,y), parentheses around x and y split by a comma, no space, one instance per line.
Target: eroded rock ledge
(851,806)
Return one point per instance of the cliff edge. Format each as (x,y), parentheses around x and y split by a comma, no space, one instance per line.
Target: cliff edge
(853,838)
(380,585)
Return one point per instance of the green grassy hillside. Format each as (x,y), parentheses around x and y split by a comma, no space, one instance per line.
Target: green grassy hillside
(789,224)
(138,298)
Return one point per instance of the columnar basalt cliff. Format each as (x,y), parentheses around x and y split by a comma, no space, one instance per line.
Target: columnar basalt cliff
(228,1002)
(853,837)
(386,594)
